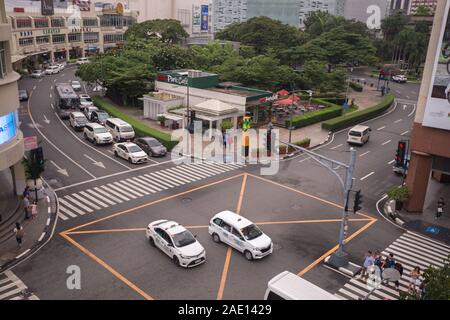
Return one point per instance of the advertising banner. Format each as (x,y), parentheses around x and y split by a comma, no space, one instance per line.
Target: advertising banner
(437,110)
(205,16)
(7,127)
(47,8)
(196,19)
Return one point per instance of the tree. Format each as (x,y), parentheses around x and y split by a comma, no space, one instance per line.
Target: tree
(423,11)
(167,30)
(392,25)
(213,54)
(262,33)
(318,22)
(316,77)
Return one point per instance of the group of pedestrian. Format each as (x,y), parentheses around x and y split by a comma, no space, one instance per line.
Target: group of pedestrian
(30,211)
(440,207)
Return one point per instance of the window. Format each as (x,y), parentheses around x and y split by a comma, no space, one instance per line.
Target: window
(91,37)
(236,233)
(43,40)
(57,22)
(24,23)
(25,42)
(90,23)
(59,38)
(41,23)
(226,226)
(113,38)
(3,45)
(74,37)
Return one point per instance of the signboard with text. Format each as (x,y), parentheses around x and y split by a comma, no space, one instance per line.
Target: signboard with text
(204,18)
(437,109)
(47,8)
(196,19)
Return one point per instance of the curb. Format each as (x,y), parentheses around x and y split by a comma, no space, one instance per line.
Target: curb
(45,236)
(295,153)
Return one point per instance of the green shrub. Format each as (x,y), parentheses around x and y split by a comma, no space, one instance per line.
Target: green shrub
(400,194)
(305,143)
(309,118)
(140,128)
(356,117)
(356,86)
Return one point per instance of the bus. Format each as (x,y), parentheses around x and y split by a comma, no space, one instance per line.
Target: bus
(66,100)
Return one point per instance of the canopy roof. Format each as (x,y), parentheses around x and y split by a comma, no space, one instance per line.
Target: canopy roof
(214,107)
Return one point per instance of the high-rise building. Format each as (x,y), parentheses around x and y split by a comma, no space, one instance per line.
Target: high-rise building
(285,11)
(226,12)
(11,137)
(334,7)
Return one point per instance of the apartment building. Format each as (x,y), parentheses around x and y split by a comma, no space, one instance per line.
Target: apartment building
(74,29)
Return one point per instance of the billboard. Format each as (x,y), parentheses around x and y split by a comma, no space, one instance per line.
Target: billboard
(205,16)
(47,8)
(196,19)
(7,127)
(437,109)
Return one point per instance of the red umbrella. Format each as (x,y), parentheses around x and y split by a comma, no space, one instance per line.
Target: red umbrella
(283,92)
(288,101)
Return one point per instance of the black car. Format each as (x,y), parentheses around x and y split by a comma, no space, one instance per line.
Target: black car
(23,95)
(151,146)
(99,117)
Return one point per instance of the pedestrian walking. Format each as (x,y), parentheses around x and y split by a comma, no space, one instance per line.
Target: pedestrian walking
(26,207)
(440,207)
(34,210)
(26,192)
(19,232)
(399,268)
(414,281)
(378,259)
(225,138)
(368,261)
(389,262)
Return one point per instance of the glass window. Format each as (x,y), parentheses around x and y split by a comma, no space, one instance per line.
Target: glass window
(2,59)
(25,42)
(57,22)
(23,23)
(183,239)
(43,39)
(251,232)
(59,38)
(74,37)
(218,221)
(91,37)
(90,22)
(41,23)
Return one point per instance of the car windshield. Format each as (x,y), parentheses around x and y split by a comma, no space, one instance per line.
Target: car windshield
(76,83)
(134,149)
(251,232)
(355,133)
(153,143)
(100,130)
(37,71)
(126,129)
(81,119)
(102,116)
(22,92)
(83,99)
(183,239)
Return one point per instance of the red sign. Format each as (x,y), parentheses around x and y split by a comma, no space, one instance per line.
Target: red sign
(19,9)
(161,77)
(30,143)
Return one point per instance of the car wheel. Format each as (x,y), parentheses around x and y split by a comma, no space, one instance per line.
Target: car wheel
(85,136)
(152,242)
(176,261)
(248,255)
(116,154)
(216,238)
(130,160)
(95,142)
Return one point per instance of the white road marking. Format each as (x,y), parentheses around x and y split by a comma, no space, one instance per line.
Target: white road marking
(381,128)
(385,143)
(366,176)
(365,153)
(111,189)
(59,169)
(391,162)
(51,105)
(335,147)
(398,121)
(405,133)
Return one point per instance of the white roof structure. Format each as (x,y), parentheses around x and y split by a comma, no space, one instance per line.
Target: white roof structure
(214,108)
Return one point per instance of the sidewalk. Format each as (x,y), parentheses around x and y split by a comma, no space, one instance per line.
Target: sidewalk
(9,202)
(37,231)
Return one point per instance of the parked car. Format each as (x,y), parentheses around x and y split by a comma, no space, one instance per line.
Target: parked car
(82,61)
(23,95)
(77,120)
(241,234)
(61,66)
(177,242)
(52,70)
(85,101)
(151,146)
(399,78)
(37,74)
(99,116)
(88,110)
(130,152)
(120,129)
(359,135)
(97,134)
(76,85)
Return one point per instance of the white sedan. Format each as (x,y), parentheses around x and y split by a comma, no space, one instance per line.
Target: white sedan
(76,85)
(52,70)
(130,152)
(177,242)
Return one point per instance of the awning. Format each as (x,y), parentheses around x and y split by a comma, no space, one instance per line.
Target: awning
(287,101)
(17,58)
(170,116)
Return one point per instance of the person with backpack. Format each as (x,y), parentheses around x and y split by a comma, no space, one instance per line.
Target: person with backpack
(389,262)
(378,259)
(19,232)
(399,268)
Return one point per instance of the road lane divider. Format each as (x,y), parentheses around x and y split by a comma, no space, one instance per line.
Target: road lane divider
(385,143)
(368,175)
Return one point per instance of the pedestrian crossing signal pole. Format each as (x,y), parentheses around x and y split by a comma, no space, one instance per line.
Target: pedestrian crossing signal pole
(245,136)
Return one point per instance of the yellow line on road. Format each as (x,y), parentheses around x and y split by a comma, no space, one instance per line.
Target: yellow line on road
(107,267)
(326,254)
(226,265)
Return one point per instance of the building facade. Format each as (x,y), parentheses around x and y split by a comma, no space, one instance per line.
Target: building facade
(418,3)
(11,137)
(74,30)
(334,7)
(429,168)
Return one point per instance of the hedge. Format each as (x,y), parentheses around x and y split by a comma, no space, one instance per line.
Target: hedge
(356,87)
(305,143)
(306,119)
(140,128)
(356,117)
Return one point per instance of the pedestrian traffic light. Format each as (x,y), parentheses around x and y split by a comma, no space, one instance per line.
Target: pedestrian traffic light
(400,157)
(37,161)
(246,123)
(358,201)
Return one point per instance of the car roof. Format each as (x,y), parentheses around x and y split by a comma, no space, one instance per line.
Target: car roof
(118,122)
(148,139)
(95,125)
(172,227)
(84,95)
(234,219)
(359,128)
(77,114)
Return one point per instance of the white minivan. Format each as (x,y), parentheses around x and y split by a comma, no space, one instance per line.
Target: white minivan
(289,286)
(119,129)
(359,135)
(241,234)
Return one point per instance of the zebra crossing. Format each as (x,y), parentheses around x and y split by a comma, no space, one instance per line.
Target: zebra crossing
(104,196)
(411,250)
(11,287)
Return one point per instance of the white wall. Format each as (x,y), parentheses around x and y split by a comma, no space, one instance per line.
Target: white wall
(152,9)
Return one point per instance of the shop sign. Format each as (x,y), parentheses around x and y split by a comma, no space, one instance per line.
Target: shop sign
(52,31)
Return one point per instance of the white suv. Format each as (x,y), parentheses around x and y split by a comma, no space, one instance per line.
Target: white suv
(82,61)
(130,151)
(52,70)
(241,234)
(97,134)
(177,242)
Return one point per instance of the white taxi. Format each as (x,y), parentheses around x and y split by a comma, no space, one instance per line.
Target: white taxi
(241,234)
(177,242)
(130,151)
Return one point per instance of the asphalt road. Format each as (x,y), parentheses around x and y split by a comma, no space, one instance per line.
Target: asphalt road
(299,208)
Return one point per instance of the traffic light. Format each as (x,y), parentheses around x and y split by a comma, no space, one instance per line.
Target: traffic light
(401,154)
(246,123)
(269,141)
(37,161)
(358,201)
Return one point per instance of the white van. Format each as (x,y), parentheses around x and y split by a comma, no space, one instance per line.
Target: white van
(241,234)
(289,286)
(359,135)
(119,129)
